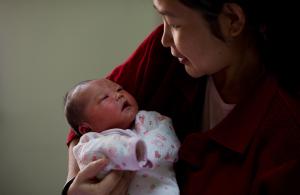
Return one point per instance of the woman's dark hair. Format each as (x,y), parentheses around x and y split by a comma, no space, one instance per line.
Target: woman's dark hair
(273,25)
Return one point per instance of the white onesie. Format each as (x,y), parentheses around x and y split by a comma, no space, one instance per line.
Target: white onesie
(150,149)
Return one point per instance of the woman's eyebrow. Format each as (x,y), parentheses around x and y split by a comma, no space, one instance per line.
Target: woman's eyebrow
(164,12)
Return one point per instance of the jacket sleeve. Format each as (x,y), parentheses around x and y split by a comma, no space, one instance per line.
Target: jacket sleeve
(281,180)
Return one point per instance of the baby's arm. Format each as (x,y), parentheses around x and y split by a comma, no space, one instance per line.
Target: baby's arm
(122,147)
(158,133)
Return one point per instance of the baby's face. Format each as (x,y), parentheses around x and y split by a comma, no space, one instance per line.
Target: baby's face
(108,105)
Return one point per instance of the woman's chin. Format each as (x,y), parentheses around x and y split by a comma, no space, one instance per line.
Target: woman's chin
(192,73)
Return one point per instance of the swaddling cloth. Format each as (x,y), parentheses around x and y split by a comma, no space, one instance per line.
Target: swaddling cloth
(150,149)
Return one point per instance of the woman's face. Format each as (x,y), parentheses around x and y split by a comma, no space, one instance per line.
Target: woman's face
(188,35)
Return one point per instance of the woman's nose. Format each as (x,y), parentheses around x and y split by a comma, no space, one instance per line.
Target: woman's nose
(166,39)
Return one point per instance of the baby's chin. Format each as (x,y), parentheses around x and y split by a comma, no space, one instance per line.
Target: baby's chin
(131,117)
(131,111)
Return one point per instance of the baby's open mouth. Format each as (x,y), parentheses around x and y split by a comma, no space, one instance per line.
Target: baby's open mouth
(125,105)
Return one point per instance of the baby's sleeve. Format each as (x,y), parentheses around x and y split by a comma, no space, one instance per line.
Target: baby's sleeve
(124,149)
(158,133)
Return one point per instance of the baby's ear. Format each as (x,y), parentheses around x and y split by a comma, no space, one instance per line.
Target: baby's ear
(84,128)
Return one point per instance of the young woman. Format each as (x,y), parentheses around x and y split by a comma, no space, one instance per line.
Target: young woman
(237,112)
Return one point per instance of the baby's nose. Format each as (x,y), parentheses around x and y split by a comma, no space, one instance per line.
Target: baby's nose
(118,95)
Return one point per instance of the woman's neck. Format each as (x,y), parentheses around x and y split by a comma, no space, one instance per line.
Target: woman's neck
(235,82)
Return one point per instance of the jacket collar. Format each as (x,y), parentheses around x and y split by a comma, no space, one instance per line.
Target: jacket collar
(236,131)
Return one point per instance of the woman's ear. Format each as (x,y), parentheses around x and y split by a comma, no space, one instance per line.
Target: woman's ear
(232,20)
(84,128)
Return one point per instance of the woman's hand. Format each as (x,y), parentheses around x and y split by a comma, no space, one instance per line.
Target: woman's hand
(73,168)
(85,183)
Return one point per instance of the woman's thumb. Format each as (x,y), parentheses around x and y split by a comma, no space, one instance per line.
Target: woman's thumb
(91,170)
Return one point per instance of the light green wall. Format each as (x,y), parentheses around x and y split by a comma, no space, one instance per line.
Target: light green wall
(45,47)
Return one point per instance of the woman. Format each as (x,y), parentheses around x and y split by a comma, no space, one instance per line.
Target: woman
(237,118)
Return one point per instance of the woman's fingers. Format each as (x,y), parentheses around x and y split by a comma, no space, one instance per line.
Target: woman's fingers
(123,184)
(85,182)
(115,183)
(110,182)
(91,171)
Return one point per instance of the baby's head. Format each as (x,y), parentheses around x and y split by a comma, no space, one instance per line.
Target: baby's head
(97,105)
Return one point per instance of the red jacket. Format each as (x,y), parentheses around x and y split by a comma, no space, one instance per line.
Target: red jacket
(254,150)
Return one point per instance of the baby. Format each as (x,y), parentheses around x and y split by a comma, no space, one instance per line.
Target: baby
(108,119)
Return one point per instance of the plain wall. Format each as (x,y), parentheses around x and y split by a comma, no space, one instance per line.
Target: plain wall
(46,46)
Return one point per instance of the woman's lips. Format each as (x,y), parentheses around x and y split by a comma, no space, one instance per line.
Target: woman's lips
(183,60)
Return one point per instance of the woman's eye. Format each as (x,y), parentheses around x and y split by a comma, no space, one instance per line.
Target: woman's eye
(120,89)
(169,24)
(174,26)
